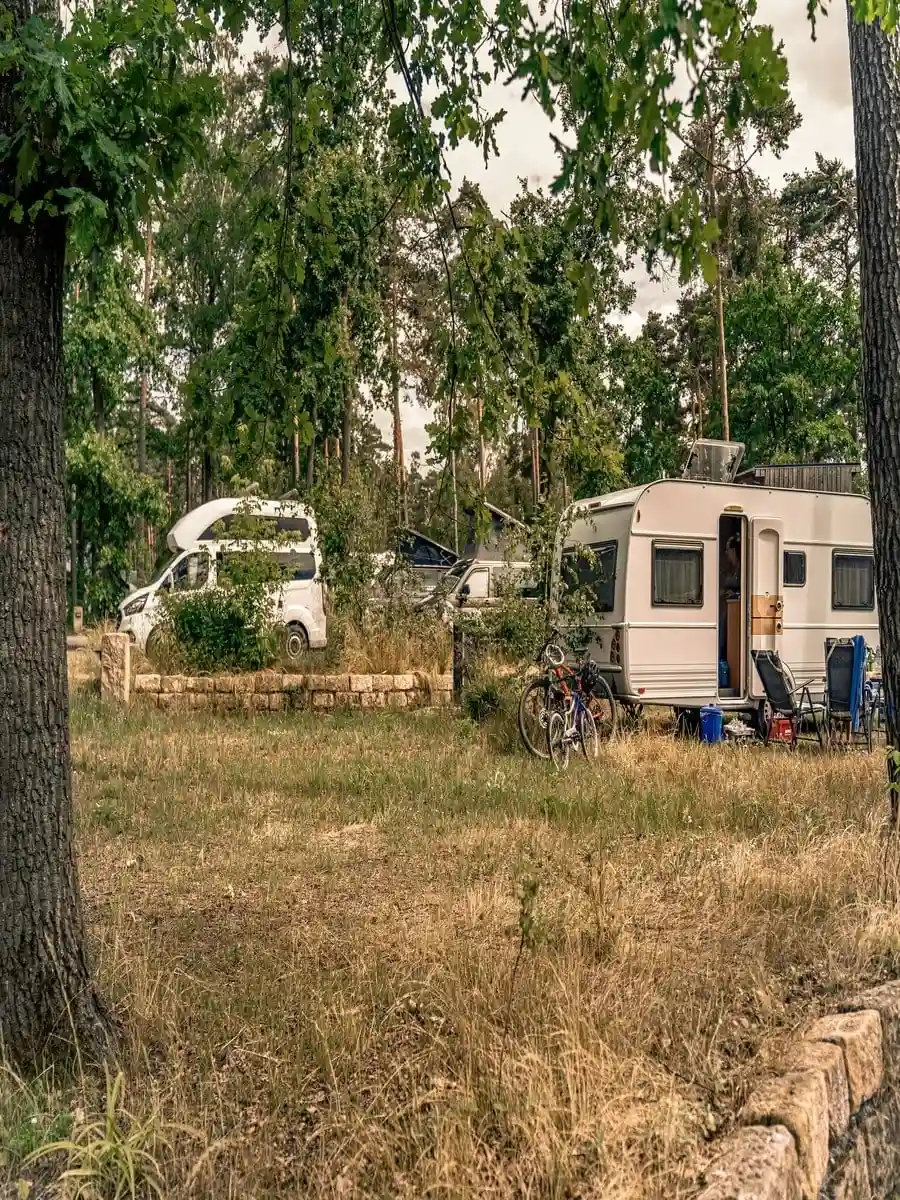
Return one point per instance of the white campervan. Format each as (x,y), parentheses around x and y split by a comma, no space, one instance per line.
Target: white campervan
(199,540)
(688,576)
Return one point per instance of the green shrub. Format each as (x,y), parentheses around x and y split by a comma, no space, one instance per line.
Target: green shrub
(224,628)
(229,627)
(482,699)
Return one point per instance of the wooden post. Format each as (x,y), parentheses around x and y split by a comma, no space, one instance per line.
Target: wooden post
(459,663)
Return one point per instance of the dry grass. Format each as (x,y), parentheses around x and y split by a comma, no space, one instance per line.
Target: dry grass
(310,928)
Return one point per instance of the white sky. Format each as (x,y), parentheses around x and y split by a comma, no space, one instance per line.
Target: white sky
(820,87)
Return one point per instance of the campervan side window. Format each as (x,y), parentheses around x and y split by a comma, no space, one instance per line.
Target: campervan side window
(297,566)
(593,568)
(677,576)
(266,526)
(795,568)
(853,581)
(298,525)
(217,530)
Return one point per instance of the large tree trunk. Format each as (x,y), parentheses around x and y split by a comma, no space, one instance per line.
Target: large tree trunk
(46,989)
(875,74)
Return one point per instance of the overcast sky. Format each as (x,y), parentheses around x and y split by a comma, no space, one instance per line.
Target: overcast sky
(820,87)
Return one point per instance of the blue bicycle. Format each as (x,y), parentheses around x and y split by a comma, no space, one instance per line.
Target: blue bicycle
(570,721)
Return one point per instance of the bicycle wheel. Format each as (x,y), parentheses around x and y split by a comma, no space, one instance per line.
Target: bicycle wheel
(534,704)
(603,710)
(557,741)
(587,735)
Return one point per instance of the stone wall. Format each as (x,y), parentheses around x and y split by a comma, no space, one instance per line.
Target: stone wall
(272,690)
(829,1125)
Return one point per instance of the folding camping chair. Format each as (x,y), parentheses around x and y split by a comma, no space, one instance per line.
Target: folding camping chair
(848,714)
(788,699)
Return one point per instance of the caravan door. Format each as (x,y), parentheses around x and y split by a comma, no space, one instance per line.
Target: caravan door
(767,590)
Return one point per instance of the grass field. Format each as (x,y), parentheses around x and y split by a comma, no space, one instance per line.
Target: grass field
(394,957)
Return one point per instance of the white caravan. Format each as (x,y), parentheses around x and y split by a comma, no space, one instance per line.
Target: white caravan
(199,540)
(688,577)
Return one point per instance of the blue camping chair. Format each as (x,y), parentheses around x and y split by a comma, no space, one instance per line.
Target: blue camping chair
(848,711)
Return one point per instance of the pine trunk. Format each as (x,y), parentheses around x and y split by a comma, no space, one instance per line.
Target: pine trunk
(46,989)
(875,74)
(145,371)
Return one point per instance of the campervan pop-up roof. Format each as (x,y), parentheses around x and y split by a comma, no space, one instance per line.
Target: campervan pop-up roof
(199,525)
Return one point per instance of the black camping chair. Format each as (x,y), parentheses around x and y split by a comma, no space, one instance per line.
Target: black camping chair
(788,699)
(840,660)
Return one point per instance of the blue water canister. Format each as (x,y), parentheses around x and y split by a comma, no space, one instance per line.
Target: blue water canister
(712,722)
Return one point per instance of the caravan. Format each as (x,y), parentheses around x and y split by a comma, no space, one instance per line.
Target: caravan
(687,577)
(202,537)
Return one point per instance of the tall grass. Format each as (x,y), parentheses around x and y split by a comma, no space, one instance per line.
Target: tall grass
(313,930)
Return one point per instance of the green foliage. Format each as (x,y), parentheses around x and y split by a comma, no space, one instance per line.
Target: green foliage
(649,405)
(114,1157)
(104,111)
(108,337)
(514,629)
(794,380)
(350,532)
(222,628)
(106,497)
(482,699)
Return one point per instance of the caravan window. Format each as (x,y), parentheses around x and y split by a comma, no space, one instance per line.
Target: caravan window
(677,577)
(853,581)
(594,569)
(795,568)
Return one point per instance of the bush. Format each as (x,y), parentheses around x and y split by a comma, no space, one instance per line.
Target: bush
(222,629)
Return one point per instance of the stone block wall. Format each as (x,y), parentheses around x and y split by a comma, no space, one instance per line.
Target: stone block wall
(829,1125)
(274,691)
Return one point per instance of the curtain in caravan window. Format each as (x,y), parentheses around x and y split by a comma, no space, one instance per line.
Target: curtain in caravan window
(853,581)
(678,576)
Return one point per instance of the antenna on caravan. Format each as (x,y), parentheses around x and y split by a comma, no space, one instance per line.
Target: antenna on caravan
(716,462)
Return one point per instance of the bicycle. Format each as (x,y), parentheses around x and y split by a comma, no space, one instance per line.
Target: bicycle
(575,725)
(549,692)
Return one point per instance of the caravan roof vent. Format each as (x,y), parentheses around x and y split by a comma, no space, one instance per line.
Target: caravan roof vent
(716,462)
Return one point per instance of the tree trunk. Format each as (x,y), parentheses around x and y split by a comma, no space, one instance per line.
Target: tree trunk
(482,455)
(536,466)
(875,75)
(188,482)
(349,388)
(73,555)
(311,452)
(723,357)
(99,401)
(206,468)
(145,373)
(46,988)
(399,459)
(295,448)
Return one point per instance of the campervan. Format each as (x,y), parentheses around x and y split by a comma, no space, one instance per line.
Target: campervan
(687,577)
(200,541)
